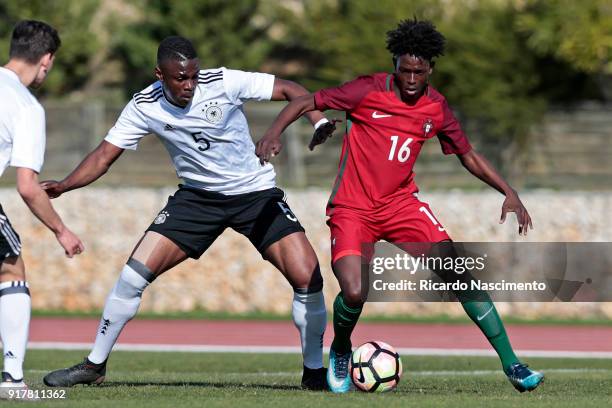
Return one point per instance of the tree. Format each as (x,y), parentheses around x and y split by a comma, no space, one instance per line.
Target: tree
(72,19)
(577,32)
(231,33)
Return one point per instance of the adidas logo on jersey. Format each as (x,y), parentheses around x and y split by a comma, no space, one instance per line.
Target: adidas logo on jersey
(168,127)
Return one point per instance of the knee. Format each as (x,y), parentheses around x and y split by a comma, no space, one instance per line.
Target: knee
(353,296)
(134,279)
(308,278)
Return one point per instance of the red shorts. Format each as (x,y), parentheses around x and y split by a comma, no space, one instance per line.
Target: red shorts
(407,220)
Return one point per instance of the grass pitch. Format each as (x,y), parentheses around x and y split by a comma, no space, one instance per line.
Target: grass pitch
(147,379)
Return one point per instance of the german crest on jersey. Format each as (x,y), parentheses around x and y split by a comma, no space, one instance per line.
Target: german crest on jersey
(212,112)
(161,218)
(427,127)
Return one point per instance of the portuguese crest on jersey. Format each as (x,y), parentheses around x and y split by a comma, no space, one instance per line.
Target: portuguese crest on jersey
(427,127)
(212,112)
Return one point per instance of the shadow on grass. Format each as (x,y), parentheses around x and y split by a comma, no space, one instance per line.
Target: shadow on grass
(254,386)
(206,384)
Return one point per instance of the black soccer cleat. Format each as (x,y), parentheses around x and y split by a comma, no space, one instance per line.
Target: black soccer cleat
(82,373)
(314,379)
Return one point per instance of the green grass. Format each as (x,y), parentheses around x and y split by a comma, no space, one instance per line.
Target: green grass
(136,379)
(204,314)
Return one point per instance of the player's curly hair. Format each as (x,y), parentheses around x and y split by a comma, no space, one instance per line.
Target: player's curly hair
(175,48)
(418,38)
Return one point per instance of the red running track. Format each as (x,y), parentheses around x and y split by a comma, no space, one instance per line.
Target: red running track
(280,333)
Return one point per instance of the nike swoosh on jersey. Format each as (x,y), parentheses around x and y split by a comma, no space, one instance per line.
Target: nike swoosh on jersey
(479,318)
(377,115)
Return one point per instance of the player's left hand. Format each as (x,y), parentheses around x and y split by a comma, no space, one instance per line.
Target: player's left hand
(323,132)
(513,203)
(267,148)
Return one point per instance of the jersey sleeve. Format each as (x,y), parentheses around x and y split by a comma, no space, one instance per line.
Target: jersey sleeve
(129,129)
(451,136)
(29,138)
(242,86)
(345,97)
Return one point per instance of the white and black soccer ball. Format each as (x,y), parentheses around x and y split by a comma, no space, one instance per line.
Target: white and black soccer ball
(375,367)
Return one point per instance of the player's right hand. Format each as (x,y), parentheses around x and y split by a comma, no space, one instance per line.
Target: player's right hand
(267,148)
(52,188)
(70,242)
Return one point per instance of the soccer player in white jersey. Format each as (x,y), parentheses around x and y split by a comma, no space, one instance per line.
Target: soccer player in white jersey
(22,145)
(199,117)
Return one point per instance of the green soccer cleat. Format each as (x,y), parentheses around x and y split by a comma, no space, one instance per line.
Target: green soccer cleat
(523,378)
(337,374)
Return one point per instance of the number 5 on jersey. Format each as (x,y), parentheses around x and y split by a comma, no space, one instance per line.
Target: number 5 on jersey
(199,140)
(404,151)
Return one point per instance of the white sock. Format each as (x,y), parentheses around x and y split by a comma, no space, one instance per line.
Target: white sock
(310,318)
(121,306)
(15,305)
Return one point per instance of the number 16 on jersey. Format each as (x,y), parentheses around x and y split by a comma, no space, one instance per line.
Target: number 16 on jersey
(404,151)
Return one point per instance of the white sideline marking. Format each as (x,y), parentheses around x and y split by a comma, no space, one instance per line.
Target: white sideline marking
(198,348)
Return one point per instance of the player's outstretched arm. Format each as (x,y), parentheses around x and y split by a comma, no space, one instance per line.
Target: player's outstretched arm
(285,90)
(38,202)
(479,166)
(89,170)
(270,143)
(289,91)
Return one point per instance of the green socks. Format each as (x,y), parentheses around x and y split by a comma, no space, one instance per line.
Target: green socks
(482,312)
(345,319)
(485,316)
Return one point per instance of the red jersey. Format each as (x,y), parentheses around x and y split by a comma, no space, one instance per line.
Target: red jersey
(384,138)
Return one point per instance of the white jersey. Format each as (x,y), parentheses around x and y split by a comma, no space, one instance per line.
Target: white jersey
(22,125)
(209,140)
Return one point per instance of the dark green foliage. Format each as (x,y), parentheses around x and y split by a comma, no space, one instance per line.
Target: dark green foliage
(72,19)
(225,33)
(505,61)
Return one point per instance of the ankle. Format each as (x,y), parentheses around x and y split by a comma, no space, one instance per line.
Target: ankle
(341,347)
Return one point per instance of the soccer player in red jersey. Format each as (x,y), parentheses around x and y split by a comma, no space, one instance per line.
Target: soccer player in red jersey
(390,117)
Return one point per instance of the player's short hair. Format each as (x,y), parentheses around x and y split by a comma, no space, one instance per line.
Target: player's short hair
(175,48)
(415,37)
(32,39)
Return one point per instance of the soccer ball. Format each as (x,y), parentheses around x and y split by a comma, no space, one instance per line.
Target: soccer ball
(375,367)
